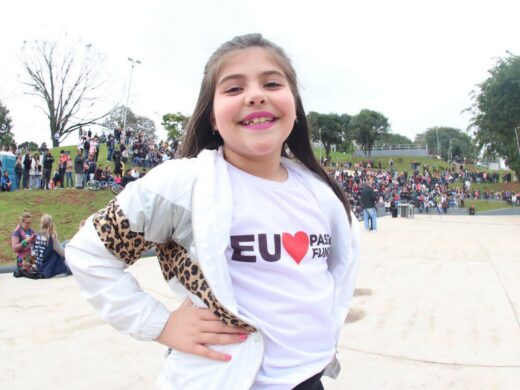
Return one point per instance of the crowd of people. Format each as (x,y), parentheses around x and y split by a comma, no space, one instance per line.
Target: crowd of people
(437,189)
(38,170)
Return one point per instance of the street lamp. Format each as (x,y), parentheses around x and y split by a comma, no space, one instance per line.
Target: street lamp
(133,63)
(319,131)
(517,141)
(438,145)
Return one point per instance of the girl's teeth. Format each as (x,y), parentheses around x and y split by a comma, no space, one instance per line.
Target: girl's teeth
(256,121)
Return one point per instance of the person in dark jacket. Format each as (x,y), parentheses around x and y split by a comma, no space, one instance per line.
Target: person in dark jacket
(48,159)
(27,162)
(6,182)
(368,201)
(79,169)
(50,260)
(18,172)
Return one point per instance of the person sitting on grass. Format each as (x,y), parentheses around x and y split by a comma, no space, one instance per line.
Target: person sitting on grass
(22,241)
(56,179)
(99,175)
(108,174)
(50,260)
(6,182)
(118,179)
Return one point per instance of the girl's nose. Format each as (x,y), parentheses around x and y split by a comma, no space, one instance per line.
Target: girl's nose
(255,96)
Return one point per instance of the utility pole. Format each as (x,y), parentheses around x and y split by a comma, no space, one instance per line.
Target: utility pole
(517,141)
(438,144)
(133,63)
(319,131)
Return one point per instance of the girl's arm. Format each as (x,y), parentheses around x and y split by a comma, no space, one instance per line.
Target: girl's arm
(16,244)
(56,245)
(114,293)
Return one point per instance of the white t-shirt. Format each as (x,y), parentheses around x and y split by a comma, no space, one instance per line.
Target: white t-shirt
(277,259)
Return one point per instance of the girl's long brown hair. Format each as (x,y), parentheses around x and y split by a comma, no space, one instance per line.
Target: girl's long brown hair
(199,133)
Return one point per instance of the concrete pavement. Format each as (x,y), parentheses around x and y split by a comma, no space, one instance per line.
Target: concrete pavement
(437,306)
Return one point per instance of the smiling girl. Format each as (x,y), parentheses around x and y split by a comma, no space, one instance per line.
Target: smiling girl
(262,247)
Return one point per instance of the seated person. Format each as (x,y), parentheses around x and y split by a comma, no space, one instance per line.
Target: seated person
(118,179)
(127,178)
(56,179)
(22,241)
(6,182)
(50,260)
(98,174)
(108,174)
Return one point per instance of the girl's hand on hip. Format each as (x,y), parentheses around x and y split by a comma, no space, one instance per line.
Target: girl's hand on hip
(190,329)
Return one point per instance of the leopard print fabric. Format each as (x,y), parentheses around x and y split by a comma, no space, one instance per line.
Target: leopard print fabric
(113,228)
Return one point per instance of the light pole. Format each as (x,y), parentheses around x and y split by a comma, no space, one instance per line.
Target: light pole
(133,63)
(517,141)
(319,131)
(438,145)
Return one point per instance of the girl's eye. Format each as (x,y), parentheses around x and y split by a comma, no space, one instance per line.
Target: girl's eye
(273,84)
(232,90)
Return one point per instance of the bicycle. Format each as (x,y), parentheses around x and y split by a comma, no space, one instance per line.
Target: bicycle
(96,185)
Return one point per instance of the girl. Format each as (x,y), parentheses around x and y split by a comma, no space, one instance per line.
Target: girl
(22,241)
(68,172)
(48,250)
(263,247)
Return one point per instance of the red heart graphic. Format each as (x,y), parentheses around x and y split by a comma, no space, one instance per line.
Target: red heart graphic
(296,245)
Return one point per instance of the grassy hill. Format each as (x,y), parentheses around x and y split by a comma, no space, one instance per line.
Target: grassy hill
(67,207)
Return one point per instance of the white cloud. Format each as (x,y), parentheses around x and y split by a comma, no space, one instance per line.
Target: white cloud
(415,62)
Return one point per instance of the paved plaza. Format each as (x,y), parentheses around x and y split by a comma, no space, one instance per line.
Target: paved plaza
(437,306)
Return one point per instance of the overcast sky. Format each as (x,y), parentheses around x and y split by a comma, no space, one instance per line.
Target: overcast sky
(416,62)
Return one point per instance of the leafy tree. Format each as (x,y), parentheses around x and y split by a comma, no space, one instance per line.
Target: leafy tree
(395,139)
(6,137)
(461,144)
(175,125)
(368,127)
(29,145)
(116,118)
(67,83)
(331,129)
(496,111)
(146,126)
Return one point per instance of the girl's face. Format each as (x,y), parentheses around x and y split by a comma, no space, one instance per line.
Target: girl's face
(26,223)
(254,108)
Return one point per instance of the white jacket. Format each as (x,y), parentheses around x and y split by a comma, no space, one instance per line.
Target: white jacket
(189,202)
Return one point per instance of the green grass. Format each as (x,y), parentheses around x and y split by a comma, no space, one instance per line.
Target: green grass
(487,205)
(67,207)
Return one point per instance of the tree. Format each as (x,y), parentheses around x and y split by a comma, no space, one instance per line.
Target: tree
(368,127)
(66,81)
(453,142)
(330,129)
(6,137)
(29,145)
(395,139)
(175,125)
(116,118)
(496,111)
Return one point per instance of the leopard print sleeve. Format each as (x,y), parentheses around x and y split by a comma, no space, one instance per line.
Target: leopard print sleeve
(113,228)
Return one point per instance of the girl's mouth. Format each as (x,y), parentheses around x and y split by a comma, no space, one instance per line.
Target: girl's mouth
(257,121)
